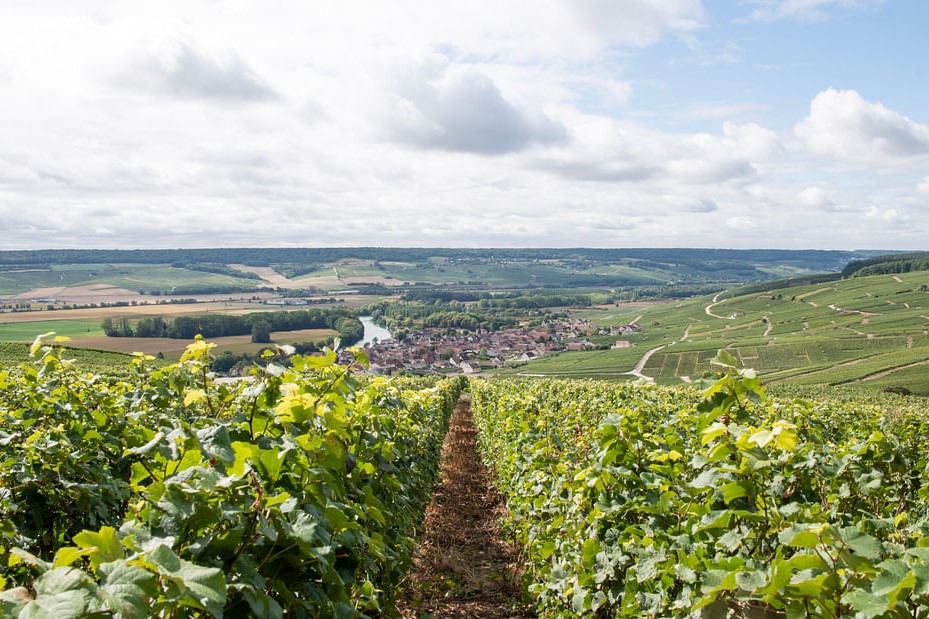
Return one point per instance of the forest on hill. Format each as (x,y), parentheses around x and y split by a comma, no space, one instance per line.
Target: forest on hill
(823,260)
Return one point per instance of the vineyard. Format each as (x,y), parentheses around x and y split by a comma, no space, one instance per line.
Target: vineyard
(870,331)
(162,492)
(644,501)
(167,494)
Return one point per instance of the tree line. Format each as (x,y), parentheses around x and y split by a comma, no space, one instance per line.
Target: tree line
(887,265)
(258,324)
(214,267)
(266,256)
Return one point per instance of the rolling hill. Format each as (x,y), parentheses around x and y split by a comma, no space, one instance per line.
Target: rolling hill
(866,330)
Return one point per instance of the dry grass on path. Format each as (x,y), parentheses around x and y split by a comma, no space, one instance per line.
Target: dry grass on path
(462,567)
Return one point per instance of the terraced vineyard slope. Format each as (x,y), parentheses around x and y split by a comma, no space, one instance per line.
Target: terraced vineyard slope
(871,331)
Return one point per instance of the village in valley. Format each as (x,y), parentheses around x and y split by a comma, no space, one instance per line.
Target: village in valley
(442,350)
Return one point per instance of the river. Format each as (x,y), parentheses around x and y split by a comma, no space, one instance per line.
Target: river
(372,331)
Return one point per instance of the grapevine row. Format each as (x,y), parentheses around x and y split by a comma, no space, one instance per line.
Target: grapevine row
(168,494)
(645,501)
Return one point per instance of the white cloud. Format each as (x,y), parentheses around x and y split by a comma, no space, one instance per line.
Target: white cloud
(842,124)
(888,216)
(604,150)
(704,171)
(175,65)
(617,91)
(814,197)
(638,22)
(422,123)
(742,224)
(750,140)
(456,109)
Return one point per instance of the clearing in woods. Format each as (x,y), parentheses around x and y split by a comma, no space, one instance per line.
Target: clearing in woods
(462,567)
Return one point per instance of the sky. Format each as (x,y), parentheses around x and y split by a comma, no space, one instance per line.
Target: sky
(545,123)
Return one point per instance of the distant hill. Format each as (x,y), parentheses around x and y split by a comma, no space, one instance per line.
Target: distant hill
(328,268)
(892,263)
(869,331)
(814,260)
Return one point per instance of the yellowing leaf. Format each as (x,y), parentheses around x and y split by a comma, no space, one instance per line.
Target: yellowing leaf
(103,545)
(785,436)
(198,350)
(67,555)
(761,437)
(713,432)
(297,407)
(37,343)
(194,396)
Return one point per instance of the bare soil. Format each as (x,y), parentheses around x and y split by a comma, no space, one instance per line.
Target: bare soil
(172,348)
(376,279)
(89,293)
(105,293)
(462,567)
(268,274)
(150,309)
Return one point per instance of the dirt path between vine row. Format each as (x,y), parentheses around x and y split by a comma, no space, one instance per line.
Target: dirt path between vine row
(637,370)
(709,309)
(462,567)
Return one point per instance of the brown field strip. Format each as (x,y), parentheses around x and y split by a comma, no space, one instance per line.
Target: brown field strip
(135,311)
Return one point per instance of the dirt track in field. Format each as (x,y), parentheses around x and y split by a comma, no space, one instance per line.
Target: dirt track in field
(268,274)
(462,566)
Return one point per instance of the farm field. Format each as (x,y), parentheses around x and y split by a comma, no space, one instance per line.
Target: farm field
(866,330)
(82,325)
(85,284)
(138,278)
(436,272)
(27,331)
(626,499)
(173,348)
(96,361)
(182,271)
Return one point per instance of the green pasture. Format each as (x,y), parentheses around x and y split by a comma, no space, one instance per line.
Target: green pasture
(27,331)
